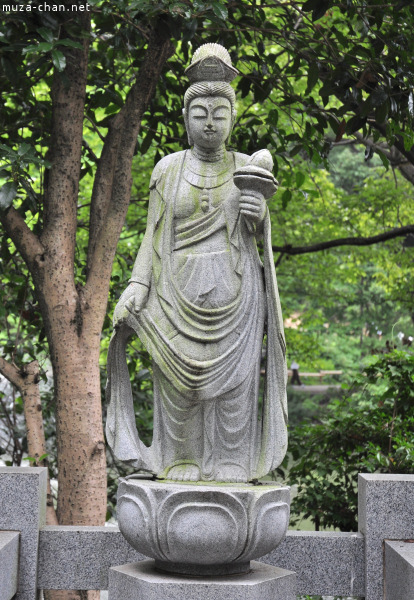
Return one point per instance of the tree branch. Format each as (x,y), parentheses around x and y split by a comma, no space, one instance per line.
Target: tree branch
(393,154)
(398,142)
(26,380)
(112,186)
(26,242)
(11,372)
(61,190)
(351,241)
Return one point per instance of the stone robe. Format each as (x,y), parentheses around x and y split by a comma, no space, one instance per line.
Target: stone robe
(203,324)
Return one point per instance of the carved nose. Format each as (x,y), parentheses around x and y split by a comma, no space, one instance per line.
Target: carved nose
(209,126)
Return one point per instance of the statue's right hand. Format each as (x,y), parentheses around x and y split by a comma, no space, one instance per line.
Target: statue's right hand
(132,301)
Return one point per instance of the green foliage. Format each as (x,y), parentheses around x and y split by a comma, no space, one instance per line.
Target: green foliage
(341,305)
(371,430)
(308,407)
(348,171)
(311,73)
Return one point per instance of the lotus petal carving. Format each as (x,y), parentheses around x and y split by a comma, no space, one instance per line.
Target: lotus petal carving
(202,528)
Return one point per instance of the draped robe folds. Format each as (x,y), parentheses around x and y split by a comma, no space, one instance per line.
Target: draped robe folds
(206,356)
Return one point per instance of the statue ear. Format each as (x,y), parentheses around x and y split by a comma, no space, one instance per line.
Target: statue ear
(190,141)
(233,120)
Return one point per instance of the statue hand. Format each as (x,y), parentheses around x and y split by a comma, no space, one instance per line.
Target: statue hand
(132,301)
(253,207)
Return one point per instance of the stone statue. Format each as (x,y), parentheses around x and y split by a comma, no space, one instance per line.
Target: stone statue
(201,301)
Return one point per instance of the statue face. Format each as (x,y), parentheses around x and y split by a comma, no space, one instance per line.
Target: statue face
(209,121)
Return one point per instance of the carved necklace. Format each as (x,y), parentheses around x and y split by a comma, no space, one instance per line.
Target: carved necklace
(207,176)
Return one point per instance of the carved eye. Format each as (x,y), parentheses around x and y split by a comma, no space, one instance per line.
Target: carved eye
(221,113)
(196,113)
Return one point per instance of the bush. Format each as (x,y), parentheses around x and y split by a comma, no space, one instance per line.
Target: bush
(370,430)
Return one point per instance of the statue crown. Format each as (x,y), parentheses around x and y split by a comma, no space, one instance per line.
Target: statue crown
(211,62)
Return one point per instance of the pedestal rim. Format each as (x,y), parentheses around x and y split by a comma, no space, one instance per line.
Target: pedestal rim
(215,485)
(199,571)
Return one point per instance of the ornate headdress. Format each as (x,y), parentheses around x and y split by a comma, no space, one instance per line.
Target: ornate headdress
(210,73)
(211,62)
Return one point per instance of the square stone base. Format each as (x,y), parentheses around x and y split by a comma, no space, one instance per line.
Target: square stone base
(140,581)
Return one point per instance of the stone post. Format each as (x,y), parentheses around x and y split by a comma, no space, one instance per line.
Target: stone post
(399,570)
(141,580)
(9,563)
(23,509)
(385,512)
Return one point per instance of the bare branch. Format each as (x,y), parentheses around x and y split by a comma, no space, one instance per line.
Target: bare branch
(26,242)
(350,241)
(95,127)
(11,372)
(26,380)
(393,154)
(398,143)
(62,186)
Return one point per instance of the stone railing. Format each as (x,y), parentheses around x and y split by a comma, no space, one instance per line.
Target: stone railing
(375,563)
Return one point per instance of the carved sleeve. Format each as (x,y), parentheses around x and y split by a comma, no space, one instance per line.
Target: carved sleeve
(141,273)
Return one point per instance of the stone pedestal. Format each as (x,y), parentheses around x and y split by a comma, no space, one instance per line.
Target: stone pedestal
(202,529)
(141,580)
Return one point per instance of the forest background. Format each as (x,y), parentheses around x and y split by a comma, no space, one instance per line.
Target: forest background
(92,99)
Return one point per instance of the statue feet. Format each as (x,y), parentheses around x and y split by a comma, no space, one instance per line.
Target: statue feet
(184,472)
(231,474)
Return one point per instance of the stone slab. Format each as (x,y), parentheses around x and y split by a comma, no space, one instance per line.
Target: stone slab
(9,563)
(23,508)
(385,511)
(141,580)
(399,570)
(79,558)
(326,563)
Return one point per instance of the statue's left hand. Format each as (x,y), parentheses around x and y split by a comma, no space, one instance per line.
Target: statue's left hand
(253,207)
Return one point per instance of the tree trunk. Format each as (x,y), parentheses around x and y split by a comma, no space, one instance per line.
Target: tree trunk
(36,443)
(73,315)
(81,446)
(79,431)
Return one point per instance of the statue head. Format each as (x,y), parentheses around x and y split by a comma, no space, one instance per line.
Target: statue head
(210,72)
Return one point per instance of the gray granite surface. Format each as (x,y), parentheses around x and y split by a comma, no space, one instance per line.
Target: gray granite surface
(386,511)
(79,557)
(9,563)
(326,563)
(141,580)
(399,570)
(23,508)
(199,528)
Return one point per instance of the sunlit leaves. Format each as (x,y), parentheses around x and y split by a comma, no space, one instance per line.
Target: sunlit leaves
(51,45)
